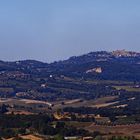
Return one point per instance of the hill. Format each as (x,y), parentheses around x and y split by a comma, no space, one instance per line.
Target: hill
(98,90)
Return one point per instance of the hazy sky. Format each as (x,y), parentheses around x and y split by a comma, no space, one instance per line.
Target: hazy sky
(51,30)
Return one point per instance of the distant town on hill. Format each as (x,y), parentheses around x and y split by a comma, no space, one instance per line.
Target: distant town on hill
(88,96)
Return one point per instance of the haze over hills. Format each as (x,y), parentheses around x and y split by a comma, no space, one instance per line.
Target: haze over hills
(61,77)
(120,64)
(29,75)
(89,92)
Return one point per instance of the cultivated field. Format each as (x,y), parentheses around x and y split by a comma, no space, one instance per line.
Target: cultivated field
(120,130)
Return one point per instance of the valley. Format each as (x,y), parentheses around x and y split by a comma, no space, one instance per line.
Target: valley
(96,94)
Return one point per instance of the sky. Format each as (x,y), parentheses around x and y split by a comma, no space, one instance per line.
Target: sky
(52,30)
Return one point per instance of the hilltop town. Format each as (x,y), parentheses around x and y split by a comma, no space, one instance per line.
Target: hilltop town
(85,97)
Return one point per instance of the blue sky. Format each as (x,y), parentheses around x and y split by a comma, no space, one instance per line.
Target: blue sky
(50,30)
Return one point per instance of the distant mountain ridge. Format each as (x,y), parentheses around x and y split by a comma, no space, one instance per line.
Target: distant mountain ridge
(31,76)
(120,64)
(97,54)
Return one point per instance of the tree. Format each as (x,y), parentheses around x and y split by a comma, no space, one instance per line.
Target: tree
(58,137)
